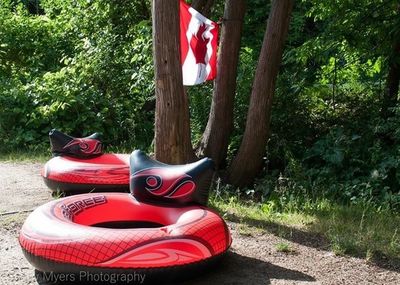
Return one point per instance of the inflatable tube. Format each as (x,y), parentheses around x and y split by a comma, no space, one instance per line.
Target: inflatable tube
(115,233)
(71,175)
(79,166)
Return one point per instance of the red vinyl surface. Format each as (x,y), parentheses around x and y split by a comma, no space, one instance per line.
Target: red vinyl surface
(61,231)
(106,169)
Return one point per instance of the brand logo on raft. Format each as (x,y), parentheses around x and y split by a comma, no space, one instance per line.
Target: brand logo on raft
(71,209)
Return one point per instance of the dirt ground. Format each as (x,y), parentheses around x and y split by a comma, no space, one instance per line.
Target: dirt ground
(253,258)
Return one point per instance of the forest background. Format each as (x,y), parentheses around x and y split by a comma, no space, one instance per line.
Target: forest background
(85,66)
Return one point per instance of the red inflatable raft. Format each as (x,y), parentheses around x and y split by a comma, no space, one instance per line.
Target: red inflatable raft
(79,166)
(82,232)
(163,227)
(71,175)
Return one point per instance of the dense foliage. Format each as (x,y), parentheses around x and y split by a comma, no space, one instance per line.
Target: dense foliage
(83,66)
(86,65)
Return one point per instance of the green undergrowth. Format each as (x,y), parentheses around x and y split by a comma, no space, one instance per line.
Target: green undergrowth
(42,155)
(358,230)
(23,155)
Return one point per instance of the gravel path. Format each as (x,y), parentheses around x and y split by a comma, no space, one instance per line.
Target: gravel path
(253,258)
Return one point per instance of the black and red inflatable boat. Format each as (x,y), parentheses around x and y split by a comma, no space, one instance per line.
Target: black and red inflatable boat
(162,227)
(80,166)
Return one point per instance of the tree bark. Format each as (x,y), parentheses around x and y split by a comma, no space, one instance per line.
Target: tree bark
(203,6)
(207,8)
(391,93)
(216,136)
(249,160)
(198,4)
(392,82)
(172,123)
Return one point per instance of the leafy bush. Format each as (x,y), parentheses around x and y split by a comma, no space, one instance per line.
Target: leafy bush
(85,66)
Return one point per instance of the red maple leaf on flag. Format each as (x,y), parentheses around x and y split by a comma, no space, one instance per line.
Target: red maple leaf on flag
(199,43)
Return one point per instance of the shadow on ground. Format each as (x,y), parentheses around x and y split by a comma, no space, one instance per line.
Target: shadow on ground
(232,269)
(239,269)
(311,239)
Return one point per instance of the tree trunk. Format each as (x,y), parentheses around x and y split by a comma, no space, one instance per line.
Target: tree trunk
(207,8)
(249,160)
(215,139)
(392,82)
(172,126)
(393,79)
(198,4)
(203,6)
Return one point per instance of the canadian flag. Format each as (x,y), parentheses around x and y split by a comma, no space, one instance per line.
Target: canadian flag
(199,41)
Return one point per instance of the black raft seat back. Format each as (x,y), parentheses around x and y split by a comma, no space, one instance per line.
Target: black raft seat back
(154,182)
(63,144)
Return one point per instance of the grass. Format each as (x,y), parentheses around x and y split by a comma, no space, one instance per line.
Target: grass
(42,155)
(13,221)
(358,230)
(247,230)
(284,247)
(25,156)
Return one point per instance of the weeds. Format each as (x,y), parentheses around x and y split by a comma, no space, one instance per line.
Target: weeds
(360,230)
(25,156)
(11,222)
(284,247)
